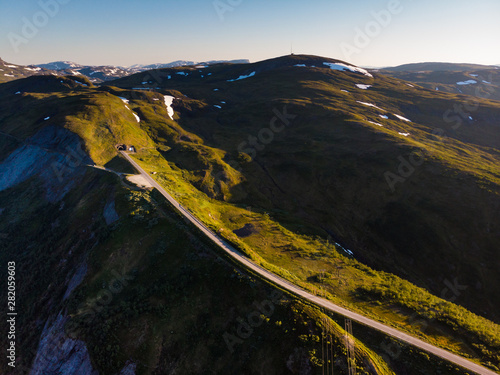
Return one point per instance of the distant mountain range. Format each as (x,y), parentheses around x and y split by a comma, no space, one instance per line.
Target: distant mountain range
(10,72)
(174,64)
(103,73)
(108,72)
(438,66)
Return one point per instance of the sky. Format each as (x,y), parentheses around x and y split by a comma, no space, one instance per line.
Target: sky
(371,33)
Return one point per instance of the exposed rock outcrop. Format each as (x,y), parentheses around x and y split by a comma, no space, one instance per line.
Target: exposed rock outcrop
(109,213)
(58,354)
(129,369)
(76,279)
(55,154)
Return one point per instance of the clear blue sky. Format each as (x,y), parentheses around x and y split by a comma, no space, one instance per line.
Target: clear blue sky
(126,32)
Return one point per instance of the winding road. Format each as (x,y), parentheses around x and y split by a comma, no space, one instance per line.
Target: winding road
(241,258)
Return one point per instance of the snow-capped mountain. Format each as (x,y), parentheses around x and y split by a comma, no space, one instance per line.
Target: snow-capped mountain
(10,72)
(60,65)
(139,68)
(96,74)
(109,72)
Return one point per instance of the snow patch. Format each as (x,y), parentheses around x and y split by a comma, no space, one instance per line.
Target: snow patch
(109,213)
(409,84)
(363,87)
(242,77)
(469,82)
(217,106)
(344,91)
(473,75)
(402,118)
(343,248)
(17,93)
(375,123)
(404,134)
(168,103)
(301,65)
(489,83)
(384,117)
(46,118)
(8,75)
(369,105)
(11,66)
(343,67)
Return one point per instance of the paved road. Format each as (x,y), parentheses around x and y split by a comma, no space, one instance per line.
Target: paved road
(241,258)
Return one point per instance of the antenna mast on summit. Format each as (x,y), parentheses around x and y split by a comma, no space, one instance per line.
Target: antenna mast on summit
(291,48)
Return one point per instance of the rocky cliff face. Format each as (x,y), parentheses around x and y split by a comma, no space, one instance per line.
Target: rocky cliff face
(55,154)
(59,354)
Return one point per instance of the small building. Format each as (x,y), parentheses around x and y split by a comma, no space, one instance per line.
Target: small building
(121,147)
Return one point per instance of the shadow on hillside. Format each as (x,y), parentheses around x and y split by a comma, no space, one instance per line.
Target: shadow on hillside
(119,164)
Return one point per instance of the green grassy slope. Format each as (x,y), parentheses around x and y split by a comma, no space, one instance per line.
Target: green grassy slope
(100,119)
(345,176)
